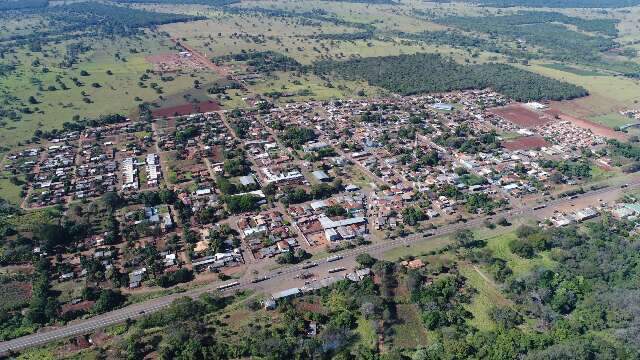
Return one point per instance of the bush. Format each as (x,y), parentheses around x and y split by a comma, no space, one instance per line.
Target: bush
(522,248)
(505,317)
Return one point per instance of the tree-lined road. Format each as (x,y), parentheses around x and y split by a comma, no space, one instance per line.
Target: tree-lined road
(286,277)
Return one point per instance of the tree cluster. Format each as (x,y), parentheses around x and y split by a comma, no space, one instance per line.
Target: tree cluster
(427,73)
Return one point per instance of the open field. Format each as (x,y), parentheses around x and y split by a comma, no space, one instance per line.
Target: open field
(608,94)
(488,295)
(14,294)
(410,331)
(423,247)
(186,109)
(612,120)
(309,86)
(573,70)
(499,244)
(597,129)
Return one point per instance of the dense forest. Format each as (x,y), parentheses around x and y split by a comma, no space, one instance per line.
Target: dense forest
(500,23)
(424,73)
(111,19)
(543,29)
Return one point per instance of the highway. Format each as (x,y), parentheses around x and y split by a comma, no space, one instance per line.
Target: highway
(285,276)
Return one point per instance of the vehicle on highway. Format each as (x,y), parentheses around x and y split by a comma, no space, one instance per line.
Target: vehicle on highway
(229,285)
(624,186)
(259,279)
(308,265)
(334,258)
(335,270)
(304,275)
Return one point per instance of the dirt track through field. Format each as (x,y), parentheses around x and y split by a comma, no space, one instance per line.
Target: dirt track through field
(223,71)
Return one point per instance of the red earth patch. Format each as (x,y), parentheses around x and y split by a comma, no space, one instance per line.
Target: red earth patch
(525,143)
(186,109)
(520,115)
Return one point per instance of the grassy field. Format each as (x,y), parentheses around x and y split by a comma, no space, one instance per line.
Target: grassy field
(225,33)
(573,70)
(599,174)
(10,191)
(410,332)
(310,86)
(499,244)
(488,295)
(418,248)
(367,333)
(612,120)
(29,220)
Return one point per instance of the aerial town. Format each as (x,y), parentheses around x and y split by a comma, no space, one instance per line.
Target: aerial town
(320,179)
(219,193)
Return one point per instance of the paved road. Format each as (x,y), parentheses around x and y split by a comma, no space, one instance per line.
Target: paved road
(277,278)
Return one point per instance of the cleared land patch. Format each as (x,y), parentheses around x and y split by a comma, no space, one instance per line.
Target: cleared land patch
(187,109)
(525,143)
(521,116)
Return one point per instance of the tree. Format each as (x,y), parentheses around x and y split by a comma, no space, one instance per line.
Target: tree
(505,317)
(52,236)
(365,260)
(107,301)
(112,200)
(523,248)
(286,258)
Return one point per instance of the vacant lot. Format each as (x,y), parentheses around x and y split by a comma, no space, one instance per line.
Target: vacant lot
(525,143)
(488,295)
(14,294)
(521,116)
(187,109)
